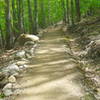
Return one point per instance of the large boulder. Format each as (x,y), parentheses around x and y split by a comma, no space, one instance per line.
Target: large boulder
(23,38)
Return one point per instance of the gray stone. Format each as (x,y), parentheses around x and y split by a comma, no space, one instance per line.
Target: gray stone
(11,69)
(20,54)
(8,89)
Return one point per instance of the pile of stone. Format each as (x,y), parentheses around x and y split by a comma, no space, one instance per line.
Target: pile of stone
(8,77)
(10,73)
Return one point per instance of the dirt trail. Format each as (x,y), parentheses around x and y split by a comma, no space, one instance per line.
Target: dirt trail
(52,75)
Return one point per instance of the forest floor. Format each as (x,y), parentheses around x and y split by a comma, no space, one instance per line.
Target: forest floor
(52,74)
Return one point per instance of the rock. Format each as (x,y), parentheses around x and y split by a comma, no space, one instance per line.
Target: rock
(27,37)
(96,79)
(82,54)
(20,55)
(30,53)
(89,74)
(8,89)
(12,79)
(35,46)
(29,43)
(23,66)
(20,63)
(12,69)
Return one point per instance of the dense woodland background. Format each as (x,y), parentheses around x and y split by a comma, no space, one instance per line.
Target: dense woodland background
(28,16)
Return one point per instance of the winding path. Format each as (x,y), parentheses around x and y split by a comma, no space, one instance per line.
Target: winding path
(51,75)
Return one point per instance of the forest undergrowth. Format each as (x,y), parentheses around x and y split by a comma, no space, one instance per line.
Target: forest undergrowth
(85,50)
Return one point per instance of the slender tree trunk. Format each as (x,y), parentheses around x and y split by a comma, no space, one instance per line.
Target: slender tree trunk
(31,26)
(2,41)
(14,17)
(8,25)
(23,21)
(72,14)
(78,10)
(68,15)
(20,18)
(43,22)
(64,12)
(48,19)
(35,17)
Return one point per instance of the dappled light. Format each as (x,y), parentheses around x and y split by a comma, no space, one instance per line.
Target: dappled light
(48,70)
(49,49)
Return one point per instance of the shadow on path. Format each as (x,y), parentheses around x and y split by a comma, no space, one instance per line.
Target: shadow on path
(51,74)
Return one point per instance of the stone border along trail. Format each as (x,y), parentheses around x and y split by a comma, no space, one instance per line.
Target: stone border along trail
(51,74)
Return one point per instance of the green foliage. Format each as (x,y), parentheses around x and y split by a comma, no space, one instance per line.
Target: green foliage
(2,95)
(49,13)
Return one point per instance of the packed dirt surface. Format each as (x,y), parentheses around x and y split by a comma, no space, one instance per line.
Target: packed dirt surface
(52,74)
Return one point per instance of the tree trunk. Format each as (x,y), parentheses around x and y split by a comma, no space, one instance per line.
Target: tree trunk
(77,2)
(31,26)
(68,15)
(43,23)
(72,14)
(8,25)
(35,17)
(20,18)
(14,17)
(48,19)
(2,41)
(64,12)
